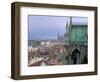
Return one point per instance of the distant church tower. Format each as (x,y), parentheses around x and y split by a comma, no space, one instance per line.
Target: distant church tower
(58,36)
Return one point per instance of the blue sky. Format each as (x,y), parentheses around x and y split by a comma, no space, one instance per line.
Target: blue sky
(47,27)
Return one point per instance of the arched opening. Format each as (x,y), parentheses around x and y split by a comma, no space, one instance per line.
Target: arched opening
(75,56)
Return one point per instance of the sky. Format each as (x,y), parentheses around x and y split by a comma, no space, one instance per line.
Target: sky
(47,27)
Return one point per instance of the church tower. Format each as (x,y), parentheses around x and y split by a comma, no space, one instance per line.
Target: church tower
(68,29)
